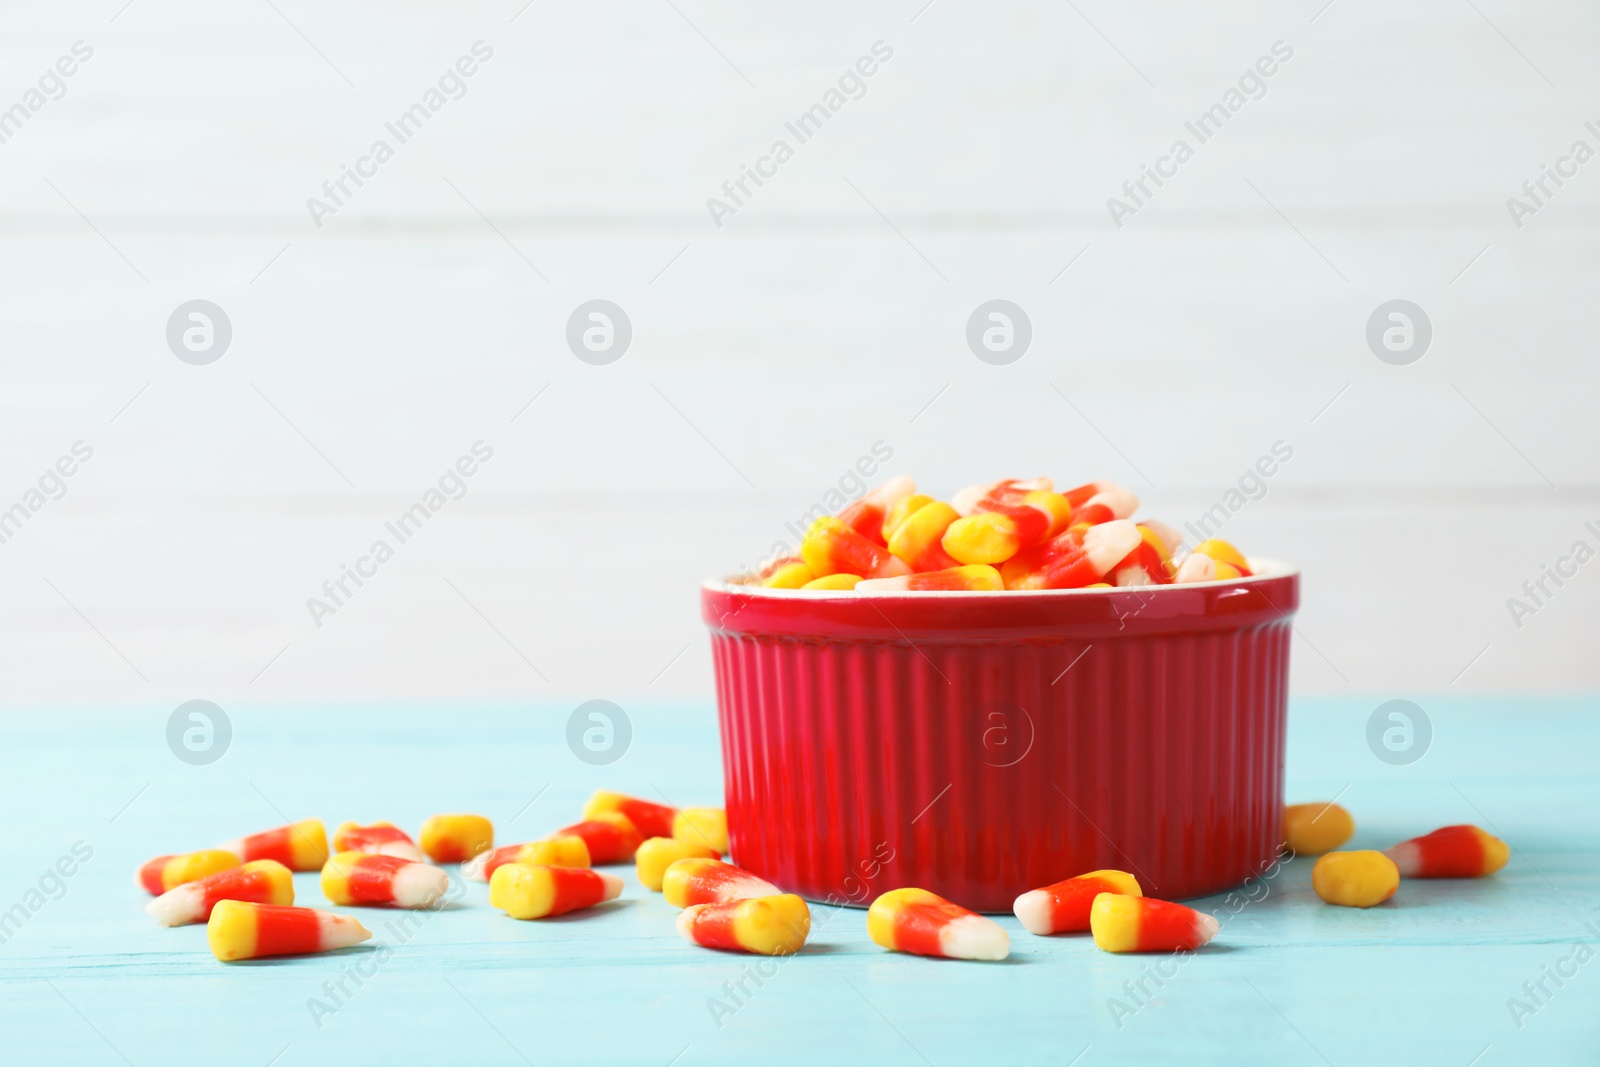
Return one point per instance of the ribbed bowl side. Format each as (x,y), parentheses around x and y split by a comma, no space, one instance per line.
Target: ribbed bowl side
(981,770)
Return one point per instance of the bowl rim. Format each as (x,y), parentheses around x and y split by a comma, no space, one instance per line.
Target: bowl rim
(1263,568)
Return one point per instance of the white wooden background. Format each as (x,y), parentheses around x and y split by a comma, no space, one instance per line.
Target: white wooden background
(773,352)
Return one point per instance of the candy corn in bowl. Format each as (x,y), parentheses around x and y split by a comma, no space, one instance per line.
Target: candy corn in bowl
(981,695)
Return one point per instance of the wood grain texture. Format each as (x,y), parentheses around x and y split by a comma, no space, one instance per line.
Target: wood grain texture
(773,351)
(89,979)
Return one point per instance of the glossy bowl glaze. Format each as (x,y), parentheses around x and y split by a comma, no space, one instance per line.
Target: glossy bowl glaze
(982,744)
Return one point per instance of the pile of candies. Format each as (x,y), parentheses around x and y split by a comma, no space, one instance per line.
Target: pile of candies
(1010,534)
(243,890)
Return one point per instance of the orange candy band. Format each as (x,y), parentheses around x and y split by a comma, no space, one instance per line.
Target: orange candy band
(610,836)
(651,819)
(301,846)
(1139,924)
(1064,906)
(259,881)
(1450,852)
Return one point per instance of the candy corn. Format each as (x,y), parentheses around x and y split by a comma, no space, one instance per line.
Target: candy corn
(709,881)
(363,878)
(242,931)
(767,926)
(611,836)
(1148,564)
(380,839)
(165,872)
(301,846)
(702,826)
(917,921)
(454,838)
(896,540)
(919,538)
(833,582)
(259,881)
(1099,502)
(831,547)
(1065,906)
(1230,561)
(1007,491)
(1196,568)
(1312,829)
(790,574)
(997,531)
(1451,852)
(977,578)
(1138,924)
(528,891)
(1074,558)
(1355,879)
(567,851)
(659,853)
(866,516)
(651,819)
(901,510)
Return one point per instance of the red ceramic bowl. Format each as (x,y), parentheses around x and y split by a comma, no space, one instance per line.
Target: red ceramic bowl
(979,745)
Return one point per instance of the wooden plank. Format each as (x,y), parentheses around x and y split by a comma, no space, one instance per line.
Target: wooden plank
(87,977)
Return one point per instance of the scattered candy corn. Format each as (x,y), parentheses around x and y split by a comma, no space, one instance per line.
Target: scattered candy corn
(166,872)
(659,853)
(767,926)
(364,878)
(259,882)
(1312,829)
(380,839)
(709,881)
(702,826)
(1451,852)
(241,931)
(610,835)
(456,838)
(301,846)
(1355,879)
(919,922)
(1138,924)
(568,851)
(530,891)
(1064,906)
(651,819)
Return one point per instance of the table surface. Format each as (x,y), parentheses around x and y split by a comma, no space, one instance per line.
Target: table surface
(87,978)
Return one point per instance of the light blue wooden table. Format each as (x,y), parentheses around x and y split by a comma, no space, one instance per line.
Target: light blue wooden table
(85,977)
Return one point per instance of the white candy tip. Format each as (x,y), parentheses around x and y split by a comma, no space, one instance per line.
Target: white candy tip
(1404,856)
(972,937)
(965,500)
(342,931)
(1032,910)
(686,922)
(1196,568)
(901,485)
(1169,537)
(418,885)
(473,869)
(1107,543)
(403,850)
(173,908)
(613,886)
(1206,926)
